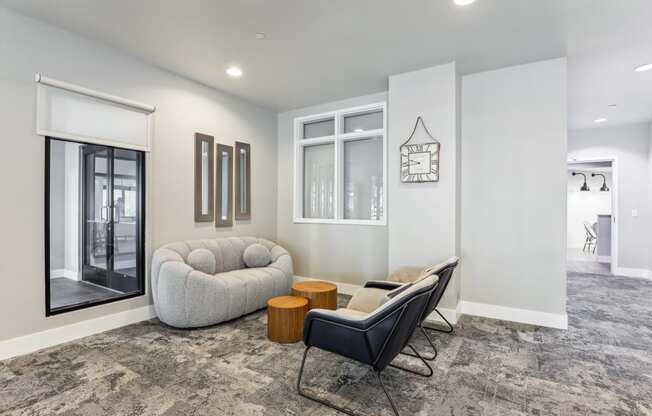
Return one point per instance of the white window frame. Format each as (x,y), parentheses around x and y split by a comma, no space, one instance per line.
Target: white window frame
(338,139)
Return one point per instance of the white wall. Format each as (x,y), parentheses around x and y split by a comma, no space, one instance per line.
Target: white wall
(514,187)
(64,209)
(423,216)
(344,253)
(73,220)
(184,107)
(57,207)
(629,145)
(585,206)
(649,182)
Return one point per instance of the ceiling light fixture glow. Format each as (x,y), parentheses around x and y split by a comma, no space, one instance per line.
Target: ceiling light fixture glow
(234,71)
(643,68)
(600,120)
(463,2)
(260,35)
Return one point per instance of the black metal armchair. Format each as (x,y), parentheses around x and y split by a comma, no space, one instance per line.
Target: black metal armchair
(374,339)
(445,272)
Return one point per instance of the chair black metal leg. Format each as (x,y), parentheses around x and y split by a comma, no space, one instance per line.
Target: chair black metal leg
(432,345)
(333,406)
(416,354)
(391,402)
(448,330)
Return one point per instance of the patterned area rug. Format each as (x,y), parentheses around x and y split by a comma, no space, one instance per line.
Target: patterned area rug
(601,366)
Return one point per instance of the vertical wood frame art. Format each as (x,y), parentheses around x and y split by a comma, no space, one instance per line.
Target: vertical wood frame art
(204,175)
(224,176)
(242,181)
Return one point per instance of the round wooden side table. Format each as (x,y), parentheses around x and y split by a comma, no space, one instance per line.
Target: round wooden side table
(285,315)
(322,295)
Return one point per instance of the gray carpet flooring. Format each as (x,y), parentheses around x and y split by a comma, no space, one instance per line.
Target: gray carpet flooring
(589,267)
(602,365)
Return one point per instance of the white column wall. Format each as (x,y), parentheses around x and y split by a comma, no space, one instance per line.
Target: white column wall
(514,144)
(423,217)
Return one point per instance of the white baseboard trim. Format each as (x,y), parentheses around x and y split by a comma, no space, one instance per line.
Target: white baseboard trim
(550,320)
(48,338)
(630,272)
(70,274)
(450,314)
(546,319)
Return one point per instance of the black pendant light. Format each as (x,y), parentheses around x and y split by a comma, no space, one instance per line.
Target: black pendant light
(585,187)
(604,188)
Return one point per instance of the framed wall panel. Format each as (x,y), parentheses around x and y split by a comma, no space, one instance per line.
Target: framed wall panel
(204,175)
(242,181)
(224,186)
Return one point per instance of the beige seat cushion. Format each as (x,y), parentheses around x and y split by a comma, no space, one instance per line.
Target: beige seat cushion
(413,274)
(366,299)
(406,274)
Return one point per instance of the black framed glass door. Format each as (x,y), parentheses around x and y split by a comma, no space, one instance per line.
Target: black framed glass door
(126,219)
(95,224)
(112,217)
(96,220)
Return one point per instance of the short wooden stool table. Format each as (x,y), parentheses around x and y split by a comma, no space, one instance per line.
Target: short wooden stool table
(322,295)
(285,316)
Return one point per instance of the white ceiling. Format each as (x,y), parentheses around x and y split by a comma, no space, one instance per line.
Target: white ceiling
(318,51)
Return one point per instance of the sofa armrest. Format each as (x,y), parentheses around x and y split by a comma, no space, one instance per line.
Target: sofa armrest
(281,260)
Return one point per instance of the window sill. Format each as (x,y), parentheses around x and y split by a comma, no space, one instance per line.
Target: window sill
(381,222)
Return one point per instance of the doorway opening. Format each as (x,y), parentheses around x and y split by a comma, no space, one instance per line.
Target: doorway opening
(592,237)
(94,224)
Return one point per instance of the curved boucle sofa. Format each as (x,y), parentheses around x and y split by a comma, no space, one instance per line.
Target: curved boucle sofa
(186,298)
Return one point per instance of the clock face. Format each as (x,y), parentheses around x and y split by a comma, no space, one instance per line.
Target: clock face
(420,162)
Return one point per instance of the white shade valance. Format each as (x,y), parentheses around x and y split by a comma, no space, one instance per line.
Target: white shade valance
(73,112)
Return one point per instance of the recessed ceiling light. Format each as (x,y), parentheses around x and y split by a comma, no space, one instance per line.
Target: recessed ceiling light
(234,71)
(600,120)
(463,2)
(260,35)
(612,105)
(643,68)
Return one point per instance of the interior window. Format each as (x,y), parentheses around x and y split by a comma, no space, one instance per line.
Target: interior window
(94,224)
(340,174)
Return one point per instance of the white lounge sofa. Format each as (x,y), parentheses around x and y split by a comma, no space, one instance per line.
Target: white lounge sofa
(185,297)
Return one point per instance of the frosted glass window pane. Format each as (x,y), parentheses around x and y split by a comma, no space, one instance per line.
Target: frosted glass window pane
(365,121)
(363,179)
(243,180)
(318,181)
(204,177)
(224,209)
(320,128)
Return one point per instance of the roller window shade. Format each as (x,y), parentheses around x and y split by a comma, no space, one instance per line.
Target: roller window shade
(71,115)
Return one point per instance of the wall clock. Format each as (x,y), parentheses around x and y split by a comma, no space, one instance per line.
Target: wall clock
(420,161)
